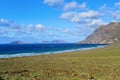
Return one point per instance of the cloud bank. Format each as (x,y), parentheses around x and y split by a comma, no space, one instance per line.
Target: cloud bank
(11,29)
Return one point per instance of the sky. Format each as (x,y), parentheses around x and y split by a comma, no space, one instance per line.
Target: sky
(34,21)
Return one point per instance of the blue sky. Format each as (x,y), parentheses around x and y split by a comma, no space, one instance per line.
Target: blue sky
(34,21)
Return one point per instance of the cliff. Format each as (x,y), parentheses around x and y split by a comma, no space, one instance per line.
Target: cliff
(105,34)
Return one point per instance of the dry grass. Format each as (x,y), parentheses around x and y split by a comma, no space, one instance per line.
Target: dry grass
(100,64)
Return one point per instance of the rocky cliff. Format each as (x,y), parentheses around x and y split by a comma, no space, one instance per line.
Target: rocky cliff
(105,34)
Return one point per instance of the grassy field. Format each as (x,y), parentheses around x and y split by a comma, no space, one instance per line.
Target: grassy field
(100,64)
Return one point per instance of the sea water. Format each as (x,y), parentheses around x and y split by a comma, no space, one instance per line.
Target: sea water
(18,50)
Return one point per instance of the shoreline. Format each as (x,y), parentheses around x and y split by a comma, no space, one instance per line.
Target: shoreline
(81,65)
(45,53)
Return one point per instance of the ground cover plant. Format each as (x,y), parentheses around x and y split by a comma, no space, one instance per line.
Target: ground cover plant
(97,64)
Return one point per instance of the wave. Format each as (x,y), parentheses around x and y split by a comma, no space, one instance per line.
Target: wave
(52,52)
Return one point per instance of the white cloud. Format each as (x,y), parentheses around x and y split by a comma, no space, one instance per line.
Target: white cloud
(2,31)
(8,23)
(103,7)
(54,2)
(96,22)
(77,17)
(82,6)
(116,15)
(69,16)
(90,14)
(65,30)
(10,28)
(70,5)
(39,27)
(117,4)
(74,5)
(31,30)
(4,22)
(87,19)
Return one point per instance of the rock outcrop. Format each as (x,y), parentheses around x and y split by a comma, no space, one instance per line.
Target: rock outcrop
(105,34)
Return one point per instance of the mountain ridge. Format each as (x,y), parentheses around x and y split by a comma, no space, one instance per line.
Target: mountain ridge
(105,34)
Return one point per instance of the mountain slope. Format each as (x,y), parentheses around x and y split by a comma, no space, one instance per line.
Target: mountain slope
(105,34)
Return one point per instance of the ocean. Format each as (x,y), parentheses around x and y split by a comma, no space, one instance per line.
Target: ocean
(18,50)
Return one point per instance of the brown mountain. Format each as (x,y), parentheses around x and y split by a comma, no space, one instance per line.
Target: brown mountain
(105,34)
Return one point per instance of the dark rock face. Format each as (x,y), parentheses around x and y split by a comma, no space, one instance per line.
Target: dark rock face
(105,34)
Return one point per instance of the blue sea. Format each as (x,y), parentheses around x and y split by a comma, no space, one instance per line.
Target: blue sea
(18,50)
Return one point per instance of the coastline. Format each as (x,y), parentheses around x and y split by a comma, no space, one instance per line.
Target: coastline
(81,65)
(45,53)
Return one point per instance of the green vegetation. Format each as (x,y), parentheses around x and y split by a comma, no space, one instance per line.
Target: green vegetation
(100,64)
